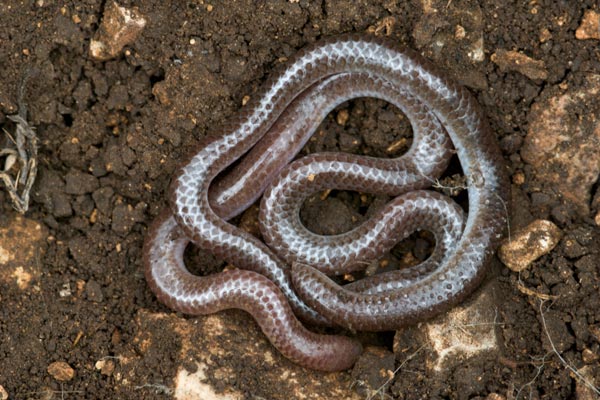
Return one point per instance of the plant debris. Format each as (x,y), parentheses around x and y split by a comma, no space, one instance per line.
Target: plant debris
(20,162)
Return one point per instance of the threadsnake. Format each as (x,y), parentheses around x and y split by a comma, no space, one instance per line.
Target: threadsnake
(286,277)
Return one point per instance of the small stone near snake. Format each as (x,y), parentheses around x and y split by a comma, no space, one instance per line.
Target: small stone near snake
(529,244)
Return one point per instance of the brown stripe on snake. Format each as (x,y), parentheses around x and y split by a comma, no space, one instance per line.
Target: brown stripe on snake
(387,303)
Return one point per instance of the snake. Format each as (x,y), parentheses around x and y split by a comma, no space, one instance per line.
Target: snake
(286,279)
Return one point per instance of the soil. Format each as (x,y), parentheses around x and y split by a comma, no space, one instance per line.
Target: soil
(111,134)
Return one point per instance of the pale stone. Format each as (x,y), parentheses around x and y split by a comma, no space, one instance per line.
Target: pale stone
(120,26)
(61,371)
(528,244)
(464,332)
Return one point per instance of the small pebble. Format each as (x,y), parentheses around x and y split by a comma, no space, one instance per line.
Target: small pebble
(3,393)
(590,26)
(65,291)
(120,26)
(342,117)
(545,35)
(518,178)
(529,244)
(61,371)
(589,357)
(106,367)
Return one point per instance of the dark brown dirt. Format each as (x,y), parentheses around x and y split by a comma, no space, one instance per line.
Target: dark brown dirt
(111,134)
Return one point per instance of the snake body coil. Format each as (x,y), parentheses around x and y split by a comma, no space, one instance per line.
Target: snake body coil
(287,276)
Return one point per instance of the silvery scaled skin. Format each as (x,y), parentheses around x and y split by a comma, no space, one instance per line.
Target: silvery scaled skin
(334,71)
(248,290)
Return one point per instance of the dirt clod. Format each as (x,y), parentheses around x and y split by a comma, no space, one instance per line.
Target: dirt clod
(515,61)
